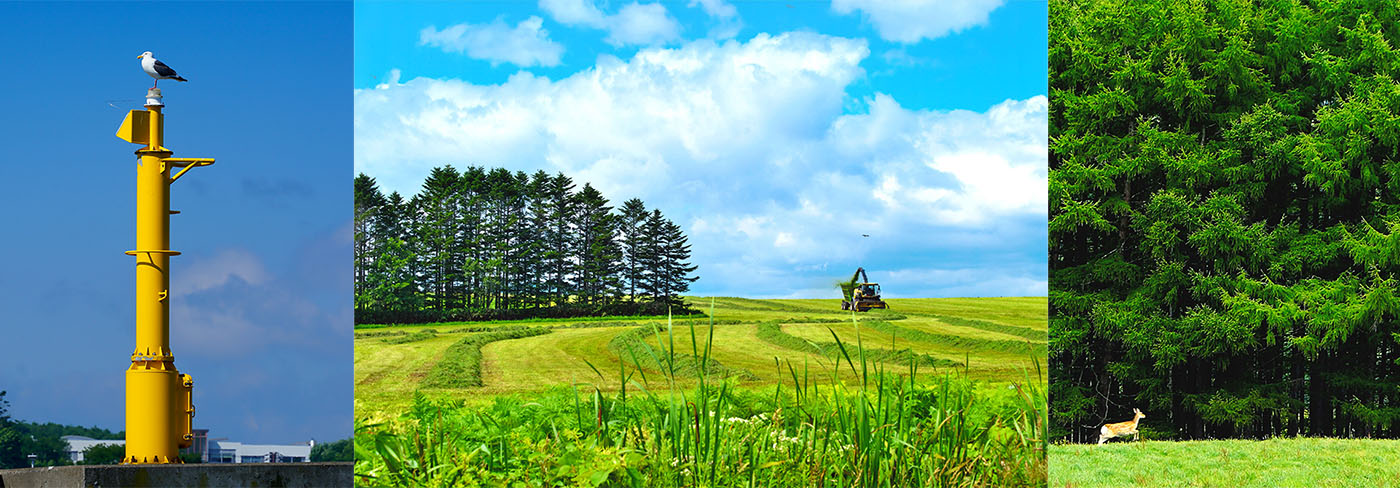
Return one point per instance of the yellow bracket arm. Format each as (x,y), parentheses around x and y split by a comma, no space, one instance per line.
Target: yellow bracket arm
(186,164)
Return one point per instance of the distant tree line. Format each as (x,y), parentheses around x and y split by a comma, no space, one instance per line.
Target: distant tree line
(1225,217)
(19,439)
(494,244)
(339,451)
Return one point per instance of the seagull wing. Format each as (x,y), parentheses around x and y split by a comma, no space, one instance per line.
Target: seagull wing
(163,70)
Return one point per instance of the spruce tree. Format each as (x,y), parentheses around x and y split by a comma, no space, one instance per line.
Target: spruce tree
(559,255)
(651,257)
(599,253)
(676,270)
(436,232)
(368,200)
(633,216)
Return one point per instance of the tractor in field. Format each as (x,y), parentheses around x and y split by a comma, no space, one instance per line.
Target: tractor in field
(860,294)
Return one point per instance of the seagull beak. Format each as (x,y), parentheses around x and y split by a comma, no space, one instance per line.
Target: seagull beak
(139,56)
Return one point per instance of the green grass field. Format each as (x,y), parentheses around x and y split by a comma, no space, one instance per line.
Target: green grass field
(937,392)
(388,374)
(1275,463)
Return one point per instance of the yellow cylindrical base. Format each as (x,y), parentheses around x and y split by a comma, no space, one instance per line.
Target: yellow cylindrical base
(153,388)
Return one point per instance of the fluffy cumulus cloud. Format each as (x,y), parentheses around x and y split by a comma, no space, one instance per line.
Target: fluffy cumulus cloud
(634,24)
(909,21)
(746,146)
(956,168)
(526,44)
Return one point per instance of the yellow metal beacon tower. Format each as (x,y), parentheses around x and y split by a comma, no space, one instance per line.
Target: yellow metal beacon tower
(159,403)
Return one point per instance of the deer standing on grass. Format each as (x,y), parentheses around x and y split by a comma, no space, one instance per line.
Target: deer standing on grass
(1109,431)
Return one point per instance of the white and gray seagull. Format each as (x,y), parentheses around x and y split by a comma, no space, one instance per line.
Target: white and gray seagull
(157,69)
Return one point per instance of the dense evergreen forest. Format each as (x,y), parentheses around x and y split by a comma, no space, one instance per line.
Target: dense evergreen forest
(485,244)
(1225,217)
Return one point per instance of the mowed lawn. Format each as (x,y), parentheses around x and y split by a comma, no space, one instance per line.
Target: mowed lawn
(387,375)
(1274,463)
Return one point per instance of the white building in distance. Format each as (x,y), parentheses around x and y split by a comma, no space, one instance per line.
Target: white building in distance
(218,450)
(77,444)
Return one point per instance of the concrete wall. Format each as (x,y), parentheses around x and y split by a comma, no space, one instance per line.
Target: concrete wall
(282,475)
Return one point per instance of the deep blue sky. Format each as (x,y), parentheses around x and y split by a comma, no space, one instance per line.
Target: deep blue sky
(261,297)
(775,133)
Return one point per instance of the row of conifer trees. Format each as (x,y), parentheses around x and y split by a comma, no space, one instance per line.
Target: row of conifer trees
(494,244)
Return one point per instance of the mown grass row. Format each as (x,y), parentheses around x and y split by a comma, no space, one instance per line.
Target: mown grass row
(1032,334)
(414,337)
(380,333)
(1023,347)
(460,366)
(632,346)
(882,315)
(888,429)
(772,333)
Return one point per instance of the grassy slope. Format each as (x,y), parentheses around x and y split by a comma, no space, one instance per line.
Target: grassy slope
(386,375)
(1281,463)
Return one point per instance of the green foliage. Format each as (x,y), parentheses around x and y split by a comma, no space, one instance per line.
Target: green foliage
(18,439)
(461,364)
(485,244)
(104,454)
(387,284)
(339,451)
(10,438)
(1224,207)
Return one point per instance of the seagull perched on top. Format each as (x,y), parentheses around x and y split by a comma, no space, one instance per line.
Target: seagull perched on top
(157,69)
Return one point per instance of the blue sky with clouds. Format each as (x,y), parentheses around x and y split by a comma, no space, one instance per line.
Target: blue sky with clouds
(261,297)
(775,133)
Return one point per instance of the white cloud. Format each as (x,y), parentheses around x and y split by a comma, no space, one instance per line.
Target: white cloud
(638,24)
(956,168)
(727,16)
(212,272)
(633,25)
(574,12)
(525,45)
(909,21)
(745,145)
(718,9)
